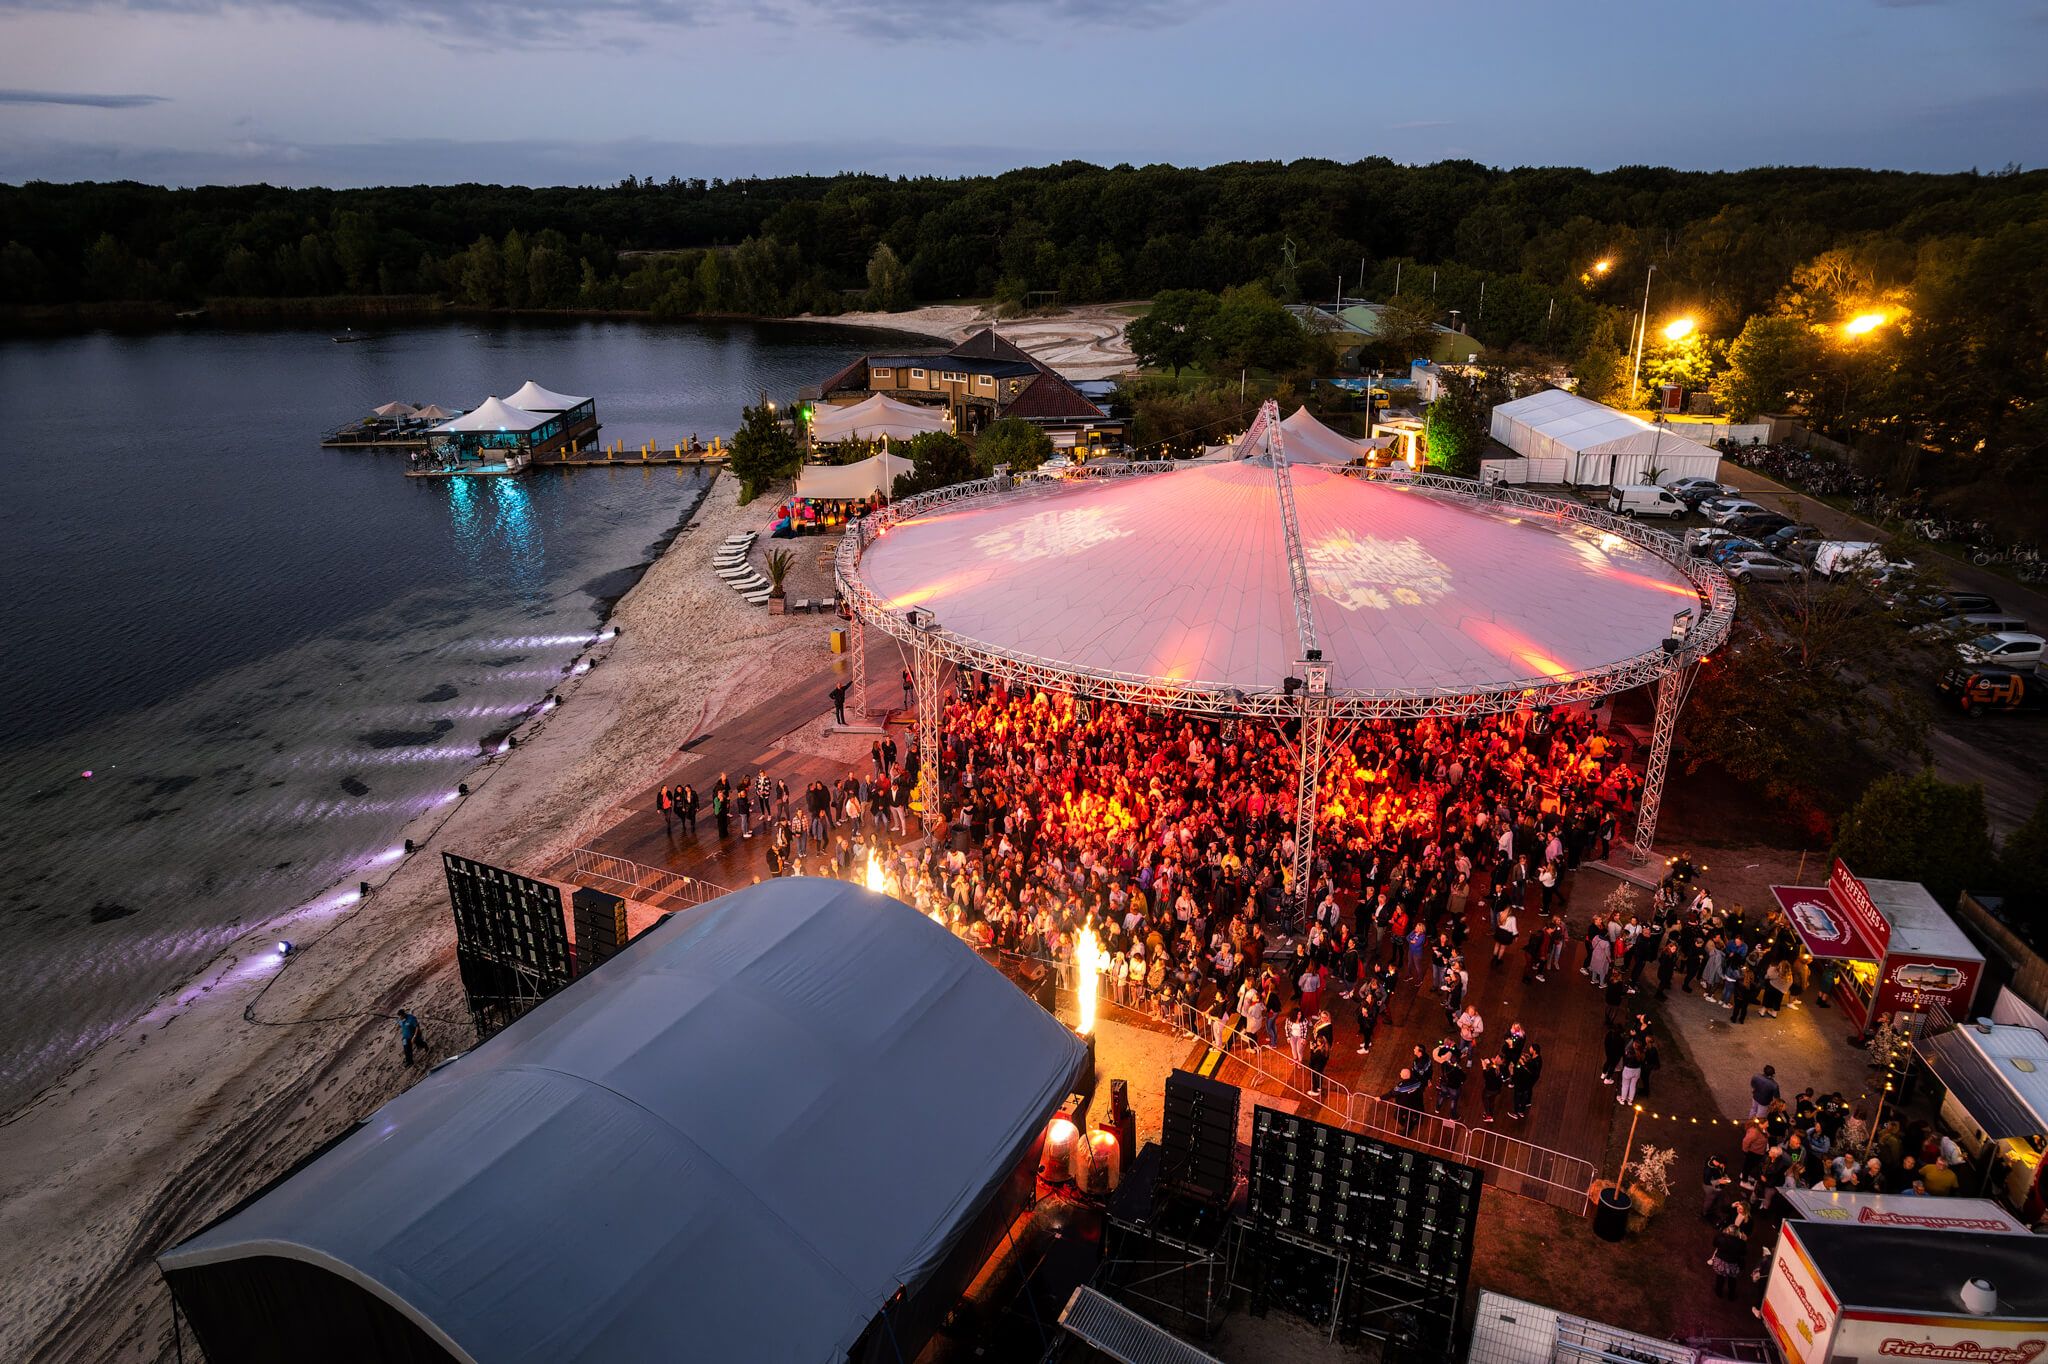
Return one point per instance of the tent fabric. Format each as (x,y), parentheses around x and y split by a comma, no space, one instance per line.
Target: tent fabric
(495,414)
(531,397)
(1184,577)
(1308,441)
(394,410)
(875,417)
(434,412)
(876,474)
(2001,1098)
(1826,926)
(736,1140)
(1595,439)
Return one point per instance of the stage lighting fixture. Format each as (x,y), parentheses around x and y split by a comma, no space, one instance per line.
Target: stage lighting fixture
(462,788)
(1289,685)
(363,890)
(408,847)
(284,949)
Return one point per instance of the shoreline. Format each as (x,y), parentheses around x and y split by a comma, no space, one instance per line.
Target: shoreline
(205,1097)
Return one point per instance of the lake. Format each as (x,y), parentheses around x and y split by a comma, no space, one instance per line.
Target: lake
(270,657)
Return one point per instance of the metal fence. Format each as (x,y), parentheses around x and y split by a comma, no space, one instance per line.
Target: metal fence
(638,882)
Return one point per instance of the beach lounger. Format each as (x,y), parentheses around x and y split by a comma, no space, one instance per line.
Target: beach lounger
(752,584)
(757,598)
(744,538)
(737,571)
(729,560)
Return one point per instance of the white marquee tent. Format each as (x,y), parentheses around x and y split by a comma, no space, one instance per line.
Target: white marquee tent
(495,414)
(736,1140)
(1597,444)
(851,481)
(531,397)
(875,417)
(1308,441)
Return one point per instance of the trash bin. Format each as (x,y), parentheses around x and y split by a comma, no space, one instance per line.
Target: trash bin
(839,639)
(1610,1217)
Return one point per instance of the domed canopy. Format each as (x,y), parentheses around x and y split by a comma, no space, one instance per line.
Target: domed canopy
(1184,577)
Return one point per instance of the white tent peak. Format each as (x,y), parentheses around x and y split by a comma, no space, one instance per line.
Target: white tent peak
(851,481)
(880,415)
(495,414)
(531,397)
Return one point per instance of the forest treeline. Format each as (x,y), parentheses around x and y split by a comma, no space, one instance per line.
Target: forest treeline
(1553,260)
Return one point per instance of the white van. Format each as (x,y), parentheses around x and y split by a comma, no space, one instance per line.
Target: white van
(1644,499)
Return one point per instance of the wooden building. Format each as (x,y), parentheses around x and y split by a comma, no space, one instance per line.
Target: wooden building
(981,380)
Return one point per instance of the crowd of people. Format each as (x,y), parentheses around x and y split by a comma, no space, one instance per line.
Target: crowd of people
(1171,837)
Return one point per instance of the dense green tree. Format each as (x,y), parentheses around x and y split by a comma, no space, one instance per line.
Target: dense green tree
(763,450)
(2023,875)
(1253,330)
(1771,359)
(938,459)
(888,281)
(1012,441)
(1173,331)
(1918,828)
(1454,430)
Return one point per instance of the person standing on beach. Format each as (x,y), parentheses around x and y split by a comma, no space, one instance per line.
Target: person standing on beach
(839,704)
(667,801)
(409,1035)
(686,808)
(746,804)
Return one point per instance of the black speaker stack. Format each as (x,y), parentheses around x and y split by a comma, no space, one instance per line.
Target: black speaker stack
(1198,1138)
(1410,1211)
(600,927)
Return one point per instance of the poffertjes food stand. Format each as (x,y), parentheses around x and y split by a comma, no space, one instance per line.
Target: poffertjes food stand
(1897,951)
(1849,1294)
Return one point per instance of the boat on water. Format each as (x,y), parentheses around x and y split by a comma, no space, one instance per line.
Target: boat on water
(349,334)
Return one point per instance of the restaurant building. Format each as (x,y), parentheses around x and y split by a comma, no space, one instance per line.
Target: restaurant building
(983,379)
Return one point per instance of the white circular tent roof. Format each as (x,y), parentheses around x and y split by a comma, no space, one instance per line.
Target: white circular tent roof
(1184,577)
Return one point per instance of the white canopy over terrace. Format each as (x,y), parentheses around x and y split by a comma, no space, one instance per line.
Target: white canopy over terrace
(531,397)
(1308,441)
(495,414)
(1185,577)
(876,474)
(873,418)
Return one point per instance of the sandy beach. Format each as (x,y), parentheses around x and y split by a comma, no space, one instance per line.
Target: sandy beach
(259,1059)
(1084,342)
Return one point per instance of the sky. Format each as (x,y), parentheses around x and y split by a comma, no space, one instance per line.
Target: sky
(544,92)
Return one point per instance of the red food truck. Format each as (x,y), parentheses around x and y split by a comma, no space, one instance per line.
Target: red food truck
(1895,949)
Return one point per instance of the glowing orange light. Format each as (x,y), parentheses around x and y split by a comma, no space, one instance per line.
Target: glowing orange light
(1088,958)
(1678,330)
(878,881)
(1868,322)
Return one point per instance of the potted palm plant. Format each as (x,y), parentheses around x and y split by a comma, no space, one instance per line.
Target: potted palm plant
(778,569)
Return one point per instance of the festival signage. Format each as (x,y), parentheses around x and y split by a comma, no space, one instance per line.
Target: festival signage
(1798,1307)
(1913,983)
(1823,923)
(1950,1340)
(1895,1210)
(1853,896)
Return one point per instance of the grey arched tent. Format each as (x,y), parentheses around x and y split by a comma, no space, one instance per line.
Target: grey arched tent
(739,1139)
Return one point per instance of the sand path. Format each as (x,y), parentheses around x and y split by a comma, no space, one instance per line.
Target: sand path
(193,1105)
(1085,342)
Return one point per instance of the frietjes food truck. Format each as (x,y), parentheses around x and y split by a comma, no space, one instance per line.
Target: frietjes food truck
(1897,1210)
(1895,949)
(1849,1294)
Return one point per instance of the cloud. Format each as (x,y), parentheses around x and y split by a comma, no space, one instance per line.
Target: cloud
(547,23)
(80,98)
(428,161)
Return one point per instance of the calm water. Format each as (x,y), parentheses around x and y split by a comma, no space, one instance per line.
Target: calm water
(270,657)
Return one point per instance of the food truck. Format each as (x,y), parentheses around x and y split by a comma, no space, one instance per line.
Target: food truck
(1996,1075)
(1842,1293)
(1895,949)
(1896,1210)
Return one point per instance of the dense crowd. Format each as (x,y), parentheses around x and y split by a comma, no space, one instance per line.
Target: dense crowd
(1172,838)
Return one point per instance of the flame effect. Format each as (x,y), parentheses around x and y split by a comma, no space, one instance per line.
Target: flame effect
(1088,957)
(877,881)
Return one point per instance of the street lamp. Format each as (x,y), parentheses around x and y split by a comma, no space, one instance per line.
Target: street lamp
(1642,325)
(1860,326)
(1679,330)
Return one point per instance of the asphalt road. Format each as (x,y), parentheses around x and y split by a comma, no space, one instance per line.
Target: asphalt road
(2007,752)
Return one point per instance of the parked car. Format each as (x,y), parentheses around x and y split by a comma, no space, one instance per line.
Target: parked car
(1847,556)
(1980,689)
(1778,539)
(1644,499)
(2003,649)
(1700,487)
(1944,604)
(1732,546)
(1723,511)
(1758,566)
(1757,524)
(1974,627)
(1701,539)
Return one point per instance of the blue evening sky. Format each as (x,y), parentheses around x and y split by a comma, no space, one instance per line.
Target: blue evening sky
(355,92)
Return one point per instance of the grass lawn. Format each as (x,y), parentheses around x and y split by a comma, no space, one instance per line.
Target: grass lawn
(1132,310)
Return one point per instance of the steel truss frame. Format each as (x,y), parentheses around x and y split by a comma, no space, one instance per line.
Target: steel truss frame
(924,676)
(1274,705)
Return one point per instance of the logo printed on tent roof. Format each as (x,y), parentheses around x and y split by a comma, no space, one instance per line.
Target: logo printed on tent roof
(1051,535)
(1355,572)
